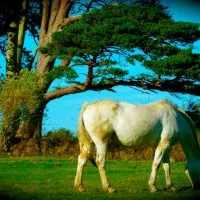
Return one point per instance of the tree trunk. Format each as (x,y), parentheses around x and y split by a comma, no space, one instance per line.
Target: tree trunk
(28,135)
(12,46)
(11,54)
(31,127)
(54,14)
(45,63)
(21,33)
(9,127)
(16,132)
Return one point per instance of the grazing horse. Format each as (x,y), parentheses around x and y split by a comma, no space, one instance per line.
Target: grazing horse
(160,124)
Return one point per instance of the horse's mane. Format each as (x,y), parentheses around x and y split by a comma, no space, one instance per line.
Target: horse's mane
(191,123)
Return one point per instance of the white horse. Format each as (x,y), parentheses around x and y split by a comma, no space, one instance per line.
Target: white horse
(158,123)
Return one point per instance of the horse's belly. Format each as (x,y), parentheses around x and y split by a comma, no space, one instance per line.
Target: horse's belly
(139,137)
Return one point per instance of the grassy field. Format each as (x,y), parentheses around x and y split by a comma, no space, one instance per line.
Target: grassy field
(52,178)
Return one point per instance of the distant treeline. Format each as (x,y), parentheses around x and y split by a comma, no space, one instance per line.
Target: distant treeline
(63,143)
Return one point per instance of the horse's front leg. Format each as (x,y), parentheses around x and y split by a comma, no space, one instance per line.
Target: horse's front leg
(100,160)
(159,153)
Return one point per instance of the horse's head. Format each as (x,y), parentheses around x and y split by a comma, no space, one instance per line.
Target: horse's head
(193,173)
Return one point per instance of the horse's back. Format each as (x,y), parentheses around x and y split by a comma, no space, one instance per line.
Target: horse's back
(133,124)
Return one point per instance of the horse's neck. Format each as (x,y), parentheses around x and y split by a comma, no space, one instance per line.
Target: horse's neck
(190,147)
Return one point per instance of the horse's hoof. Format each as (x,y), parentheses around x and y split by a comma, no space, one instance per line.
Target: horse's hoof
(111,190)
(152,188)
(171,188)
(80,189)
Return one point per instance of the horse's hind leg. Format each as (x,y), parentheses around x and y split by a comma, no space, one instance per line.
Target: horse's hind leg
(166,167)
(101,148)
(163,146)
(82,160)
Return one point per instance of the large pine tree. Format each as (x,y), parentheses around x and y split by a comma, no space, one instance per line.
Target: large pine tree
(92,40)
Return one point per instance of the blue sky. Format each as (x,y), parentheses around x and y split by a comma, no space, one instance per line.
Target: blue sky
(184,10)
(63,112)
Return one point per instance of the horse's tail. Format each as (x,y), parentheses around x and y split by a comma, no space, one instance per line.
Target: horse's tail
(191,123)
(85,142)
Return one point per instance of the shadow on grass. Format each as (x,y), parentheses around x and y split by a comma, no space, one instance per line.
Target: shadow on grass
(8,192)
(185,188)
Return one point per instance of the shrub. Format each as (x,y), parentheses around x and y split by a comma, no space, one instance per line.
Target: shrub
(21,95)
(63,142)
(58,137)
(25,148)
(59,142)
(21,92)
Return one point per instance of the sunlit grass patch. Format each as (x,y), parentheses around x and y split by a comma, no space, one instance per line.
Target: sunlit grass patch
(53,178)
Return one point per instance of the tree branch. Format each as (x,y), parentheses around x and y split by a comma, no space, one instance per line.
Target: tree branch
(60,10)
(32,59)
(44,22)
(89,79)
(67,21)
(73,89)
(64,91)
(54,12)
(66,61)
(86,6)
(169,86)
(64,8)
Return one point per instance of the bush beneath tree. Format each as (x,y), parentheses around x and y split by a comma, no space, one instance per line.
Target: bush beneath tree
(64,143)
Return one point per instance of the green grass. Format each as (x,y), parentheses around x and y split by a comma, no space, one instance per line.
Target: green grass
(53,178)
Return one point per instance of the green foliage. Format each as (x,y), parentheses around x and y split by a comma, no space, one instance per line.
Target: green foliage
(20,96)
(59,137)
(123,29)
(59,142)
(110,72)
(144,76)
(117,72)
(20,89)
(118,25)
(61,71)
(139,58)
(184,64)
